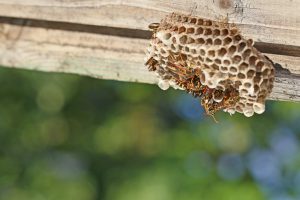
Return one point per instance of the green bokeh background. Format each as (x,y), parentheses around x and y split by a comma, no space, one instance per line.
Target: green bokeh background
(77,138)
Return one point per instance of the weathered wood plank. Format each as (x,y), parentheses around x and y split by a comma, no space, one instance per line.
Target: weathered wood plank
(106,57)
(99,56)
(271,21)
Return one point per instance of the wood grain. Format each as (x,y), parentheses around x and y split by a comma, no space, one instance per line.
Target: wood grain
(106,57)
(270,21)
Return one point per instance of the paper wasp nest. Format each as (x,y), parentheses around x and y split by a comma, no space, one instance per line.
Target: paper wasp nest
(211,60)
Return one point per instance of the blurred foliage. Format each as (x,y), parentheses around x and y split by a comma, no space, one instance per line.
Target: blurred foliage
(77,138)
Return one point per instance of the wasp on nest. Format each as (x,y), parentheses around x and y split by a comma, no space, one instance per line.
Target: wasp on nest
(210,60)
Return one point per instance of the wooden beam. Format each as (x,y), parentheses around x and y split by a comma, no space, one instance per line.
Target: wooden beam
(106,57)
(269,21)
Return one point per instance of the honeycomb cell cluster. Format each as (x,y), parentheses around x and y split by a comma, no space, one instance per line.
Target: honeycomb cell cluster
(211,60)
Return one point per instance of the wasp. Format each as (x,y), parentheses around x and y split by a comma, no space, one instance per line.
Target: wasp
(151,63)
(187,76)
(230,98)
(153,26)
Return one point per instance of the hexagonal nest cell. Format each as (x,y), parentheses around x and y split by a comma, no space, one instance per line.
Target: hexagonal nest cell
(211,60)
